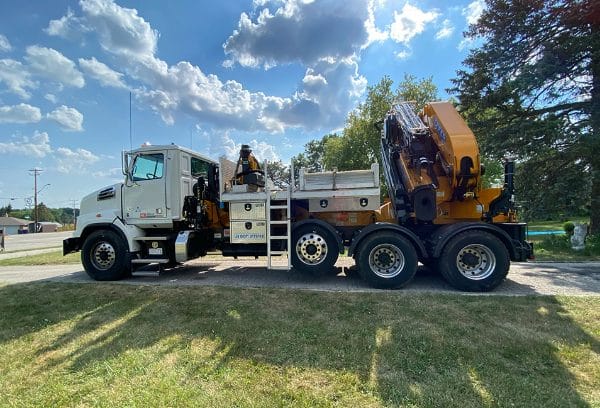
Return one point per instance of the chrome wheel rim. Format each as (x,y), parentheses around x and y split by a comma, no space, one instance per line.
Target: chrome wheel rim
(386,261)
(103,255)
(311,248)
(476,262)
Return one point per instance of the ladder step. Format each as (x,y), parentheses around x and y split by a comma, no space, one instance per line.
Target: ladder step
(150,238)
(279,237)
(279,207)
(279,222)
(149,261)
(279,268)
(278,252)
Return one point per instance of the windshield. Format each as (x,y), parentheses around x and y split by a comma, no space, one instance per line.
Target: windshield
(148,167)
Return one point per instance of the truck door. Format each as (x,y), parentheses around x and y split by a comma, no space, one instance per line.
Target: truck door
(145,195)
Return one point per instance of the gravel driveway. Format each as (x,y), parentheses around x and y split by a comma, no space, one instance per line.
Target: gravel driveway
(523,279)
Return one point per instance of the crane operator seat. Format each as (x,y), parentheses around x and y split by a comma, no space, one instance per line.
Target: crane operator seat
(248,169)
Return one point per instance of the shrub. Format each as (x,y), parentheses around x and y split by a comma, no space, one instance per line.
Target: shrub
(556,243)
(569,228)
(592,245)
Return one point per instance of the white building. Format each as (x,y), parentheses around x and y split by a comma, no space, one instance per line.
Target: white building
(12,225)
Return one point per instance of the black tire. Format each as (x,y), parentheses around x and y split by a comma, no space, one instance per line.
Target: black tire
(387,260)
(104,256)
(474,261)
(315,250)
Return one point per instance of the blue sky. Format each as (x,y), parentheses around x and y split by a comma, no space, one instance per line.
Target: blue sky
(210,75)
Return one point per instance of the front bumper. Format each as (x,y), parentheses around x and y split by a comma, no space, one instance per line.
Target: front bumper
(71,245)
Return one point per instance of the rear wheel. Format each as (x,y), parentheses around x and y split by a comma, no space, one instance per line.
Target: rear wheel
(104,256)
(387,260)
(315,250)
(474,261)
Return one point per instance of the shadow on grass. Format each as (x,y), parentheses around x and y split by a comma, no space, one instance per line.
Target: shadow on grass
(428,350)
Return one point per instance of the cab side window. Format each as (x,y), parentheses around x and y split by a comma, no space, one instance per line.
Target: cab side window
(148,167)
(199,168)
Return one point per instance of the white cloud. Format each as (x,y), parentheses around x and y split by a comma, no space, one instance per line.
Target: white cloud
(4,44)
(51,64)
(328,91)
(37,145)
(69,119)
(16,78)
(224,145)
(21,113)
(68,160)
(302,31)
(67,26)
(446,30)
(465,43)
(404,54)
(102,73)
(50,97)
(473,11)
(120,29)
(374,33)
(410,22)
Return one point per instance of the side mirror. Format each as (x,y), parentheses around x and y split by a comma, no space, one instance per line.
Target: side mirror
(124,163)
(127,160)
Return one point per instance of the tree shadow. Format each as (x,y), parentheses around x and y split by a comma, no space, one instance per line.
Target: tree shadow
(406,349)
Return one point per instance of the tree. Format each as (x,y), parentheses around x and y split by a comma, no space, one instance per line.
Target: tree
(421,92)
(533,90)
(44,213)
(359,144)
(279,174)
(5,211)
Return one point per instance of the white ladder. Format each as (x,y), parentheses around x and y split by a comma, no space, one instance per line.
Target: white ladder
(279,221)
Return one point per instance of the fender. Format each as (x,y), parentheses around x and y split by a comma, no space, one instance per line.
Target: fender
(385,226)
(325,225)
(126,232)
(440,238)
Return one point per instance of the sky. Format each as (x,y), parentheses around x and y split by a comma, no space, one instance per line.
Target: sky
(208,75)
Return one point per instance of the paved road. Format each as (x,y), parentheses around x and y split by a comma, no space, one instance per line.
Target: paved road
(26,242)
(523,279)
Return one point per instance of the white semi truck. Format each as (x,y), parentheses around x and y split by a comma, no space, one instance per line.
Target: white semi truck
(176,204)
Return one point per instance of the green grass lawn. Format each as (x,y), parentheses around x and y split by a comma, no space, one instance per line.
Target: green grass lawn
(49,258)
(553,225)
(122,345)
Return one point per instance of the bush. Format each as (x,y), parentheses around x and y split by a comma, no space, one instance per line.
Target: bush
(556,243)
(592,245)
(569,228)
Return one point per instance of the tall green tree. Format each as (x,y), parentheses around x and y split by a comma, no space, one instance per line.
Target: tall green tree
(532,89)
(44,213)
(418,91)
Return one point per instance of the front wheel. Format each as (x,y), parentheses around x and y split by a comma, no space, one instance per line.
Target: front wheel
(387,260)
(315,250)
(474,261)
(104,256)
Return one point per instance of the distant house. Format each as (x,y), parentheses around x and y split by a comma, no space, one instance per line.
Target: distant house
(45,226)
(13,226)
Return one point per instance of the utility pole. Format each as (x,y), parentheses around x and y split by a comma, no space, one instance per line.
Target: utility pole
(74,202)
(35,171)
